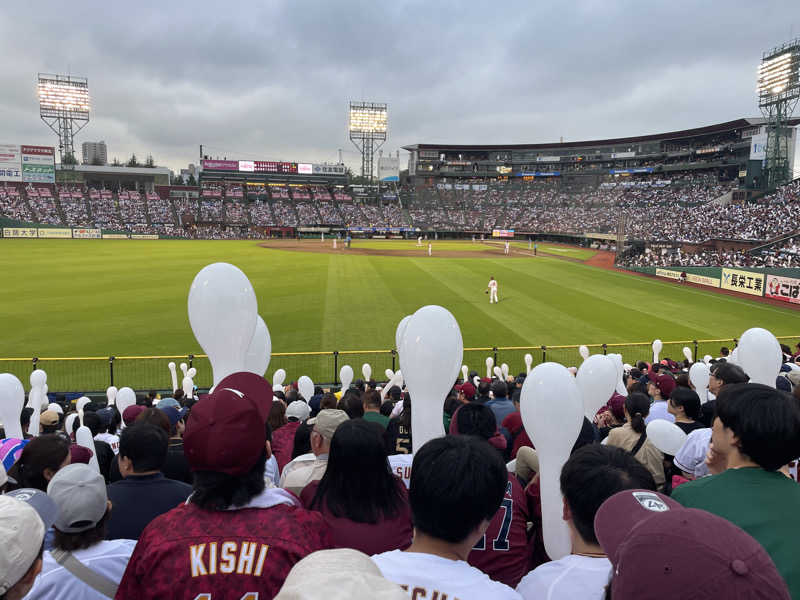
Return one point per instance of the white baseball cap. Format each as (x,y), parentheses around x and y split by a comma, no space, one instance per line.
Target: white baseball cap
(25,516)
(299,410)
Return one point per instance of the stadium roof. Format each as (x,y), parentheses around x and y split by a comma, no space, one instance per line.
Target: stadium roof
(686,133)
(113,170)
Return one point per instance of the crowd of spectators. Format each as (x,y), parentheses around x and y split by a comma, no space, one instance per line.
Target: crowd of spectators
(284,212)
(236,213)
(211,211)
(261,213)
(328,213)
(160,210)
(14,206)
(131,207)
(254,489)
(307,213)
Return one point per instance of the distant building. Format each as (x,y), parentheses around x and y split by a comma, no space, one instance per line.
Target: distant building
(95,153)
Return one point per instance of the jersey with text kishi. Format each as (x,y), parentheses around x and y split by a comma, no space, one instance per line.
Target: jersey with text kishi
(502,553)
(242,554)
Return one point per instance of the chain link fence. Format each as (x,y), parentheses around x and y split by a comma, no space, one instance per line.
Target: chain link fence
(95,374)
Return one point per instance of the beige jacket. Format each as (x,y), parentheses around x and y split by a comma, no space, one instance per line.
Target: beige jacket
(626,438)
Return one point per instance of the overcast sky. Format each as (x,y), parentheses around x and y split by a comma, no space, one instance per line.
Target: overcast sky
(272,80)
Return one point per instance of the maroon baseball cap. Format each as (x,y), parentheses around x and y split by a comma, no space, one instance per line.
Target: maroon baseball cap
(659,549)
(129,414)
(467,389)
(665,383)
(225,431)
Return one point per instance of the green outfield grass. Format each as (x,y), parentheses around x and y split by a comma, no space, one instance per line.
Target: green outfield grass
(568,251)
(67,298)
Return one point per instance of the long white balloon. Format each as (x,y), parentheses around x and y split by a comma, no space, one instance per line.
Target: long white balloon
(278,377)
(552,413)
(583,351)
(259,350)
(81,402)
(464,372)
(389,374)
(69,423)
(489,363)
(617,359)
(396,380)
(173,376)
(111,393)
(699,375)
(400,331)
(306,387)
(505,370)
(366,371)
(498,372)
(759,354)
(125,397)
(83,437)
(346,377)
(597,380)
(666,436)
(688,354)
(657,347)
(38,379)
(223,313)
(528,363)
(430,358)
(12,399)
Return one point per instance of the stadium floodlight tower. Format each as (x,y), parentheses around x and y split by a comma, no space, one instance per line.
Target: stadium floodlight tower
(367,132)
(778,93)
(64,107)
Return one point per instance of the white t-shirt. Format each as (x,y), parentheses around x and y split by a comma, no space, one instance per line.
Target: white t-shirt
(691,458)
(431,574)
(573,576)
(110,439)
(493,284)
(401,466)
(659,411)
(109,558)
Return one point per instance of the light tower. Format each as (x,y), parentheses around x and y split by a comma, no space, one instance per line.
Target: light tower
(778,93)
(367,132)
(64,107)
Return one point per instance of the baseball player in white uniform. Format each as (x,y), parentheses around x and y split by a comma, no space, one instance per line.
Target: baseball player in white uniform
(492,289)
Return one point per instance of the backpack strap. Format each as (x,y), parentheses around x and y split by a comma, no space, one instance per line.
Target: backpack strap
(96,581)
(640,443)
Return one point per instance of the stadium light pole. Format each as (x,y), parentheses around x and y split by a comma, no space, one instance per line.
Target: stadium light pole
(367,126)
(778,92)
(64,107)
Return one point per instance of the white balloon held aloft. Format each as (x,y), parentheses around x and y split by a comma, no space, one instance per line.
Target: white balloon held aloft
(366,371)
(191,373)
(760,355)
(346,377)
(464,372)
(666,436)
(69,422)
(389,374)
(552,413)
(111,393)
(45,400)
(707,358)
(489,364)
(597,380)
(430,358)
(184,368)
(55,408)
(125,397)
(278,377)
(699,375)
(498,372)
(83,437)
(733,357)
(306,387)
(657,347)
(584,352)
(395,380)
(528,363)
(173,375)
(223,313)
(259,350)
(187,385)
(79,404)
(505,370)
(400,331)
(475,381)
(617,360)
(688,354)
(38,378)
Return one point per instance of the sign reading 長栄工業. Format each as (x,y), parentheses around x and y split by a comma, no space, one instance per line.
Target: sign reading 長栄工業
(746,282)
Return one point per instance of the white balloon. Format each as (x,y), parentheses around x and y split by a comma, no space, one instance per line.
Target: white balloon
(760,356)
(346,377)
(278,377)
(173,375)
(223,313)
(259,350)
(38,378)
(504,369)
(489,364)
(389,374)
(184,368)
(699,374)
(733,357)
(626,368)
(552,413)
(83,437)
(125,397)
(498,372)
(191,373)
(187,385)
(584,352)
(430,358)
(464,372)
(597,380)
(45,401)
(79,404)
(707,358)
(666,436)
(395,380)
(55,408)
(688,353)
(400,331)
(475,381)
(111,393)
(276,387)
(617,360)
(306,387)
(69,422)
(366,371)
(528,363)
(33,424)
(657,347)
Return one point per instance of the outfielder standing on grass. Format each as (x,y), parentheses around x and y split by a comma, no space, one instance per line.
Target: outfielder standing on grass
(491,289)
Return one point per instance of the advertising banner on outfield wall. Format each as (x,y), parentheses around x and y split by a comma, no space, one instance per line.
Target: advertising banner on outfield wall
(703,280)
(19,232)
(10,163)
(502,233)
(55,233)
(746,282)
(38,164)
(668,273)
(87,234)
(783,288)
(144,236)
(115,236)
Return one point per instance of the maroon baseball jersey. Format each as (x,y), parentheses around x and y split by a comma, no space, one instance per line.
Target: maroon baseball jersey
(194,553)
(283,443)
(502,552)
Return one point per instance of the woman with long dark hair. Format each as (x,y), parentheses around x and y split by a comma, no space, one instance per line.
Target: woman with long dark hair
(41,458)
(365,505)
(632,436)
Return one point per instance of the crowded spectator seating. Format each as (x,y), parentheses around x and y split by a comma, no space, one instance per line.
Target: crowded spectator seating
(284,213)
(131,207)
(14,206)
(321,193)
(261,214)
(43,203)
(236,213)
(279,192)
(307,213)
(234,191)
(159,210)
(301,193)
(211,211)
